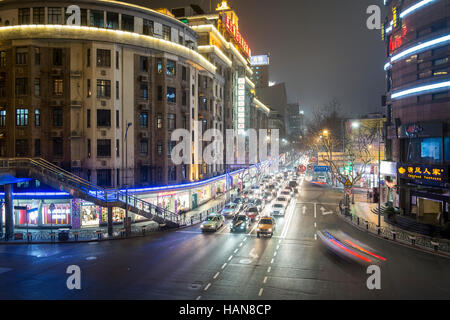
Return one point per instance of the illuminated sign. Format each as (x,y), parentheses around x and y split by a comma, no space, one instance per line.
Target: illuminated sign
(426,174)
(394,16)
(396,42)
(261,60)
(241,105)
(233,30)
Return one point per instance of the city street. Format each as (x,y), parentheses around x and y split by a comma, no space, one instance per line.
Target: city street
(189,264)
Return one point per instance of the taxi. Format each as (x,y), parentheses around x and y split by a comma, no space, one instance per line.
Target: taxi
(266,226)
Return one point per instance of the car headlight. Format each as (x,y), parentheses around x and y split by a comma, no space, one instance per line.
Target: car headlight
(270,230)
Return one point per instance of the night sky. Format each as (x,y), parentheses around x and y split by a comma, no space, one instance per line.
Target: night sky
(321,49)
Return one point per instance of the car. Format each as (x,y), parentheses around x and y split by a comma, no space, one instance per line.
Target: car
(259,203)
(213,223)
(293,184)
(283,199)
(266,226)
(240,223)
(231,209)
(268,196)
(278,209)
(286,193)
(252,212)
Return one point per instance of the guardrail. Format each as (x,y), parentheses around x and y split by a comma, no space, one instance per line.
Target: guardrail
(398,235)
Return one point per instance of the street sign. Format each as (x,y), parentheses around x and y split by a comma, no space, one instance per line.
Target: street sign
(348,183)
(348,191)
(321,168)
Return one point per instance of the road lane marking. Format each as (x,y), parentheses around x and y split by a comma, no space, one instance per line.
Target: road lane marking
(268,269)
(198,298)
(224,265)
(315,225)
(240,245)
(207,286)
(315,236)
(216,275)
(265,279)
(236,250)
(231,257)
(271,261)
(260,292)
(278,247)
(315,210)
(275,254)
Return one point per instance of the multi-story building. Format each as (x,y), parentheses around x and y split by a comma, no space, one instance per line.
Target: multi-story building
(260,67)
(69,92)
(295,122)
(418,108)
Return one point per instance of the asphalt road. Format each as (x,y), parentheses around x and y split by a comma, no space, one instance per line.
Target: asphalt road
(189,264)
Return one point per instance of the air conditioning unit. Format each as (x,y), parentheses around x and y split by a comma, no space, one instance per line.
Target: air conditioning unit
(143,107)
(144,134)
(76,163)
(103,132)
(143,78)
(103,103)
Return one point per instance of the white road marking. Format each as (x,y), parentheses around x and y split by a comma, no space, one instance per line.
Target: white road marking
(271,261)
(278,247)
(224,265)
(275,254)
(315,225)
(253,254)
(315,210)
(240,245)
(198,298)
(236,250)
(216,275)
(315,236)
(268,269)
(265,280)
(260,292)
(231,257)
(207,286)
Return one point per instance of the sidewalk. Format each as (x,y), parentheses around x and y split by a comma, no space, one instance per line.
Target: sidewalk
(363,209)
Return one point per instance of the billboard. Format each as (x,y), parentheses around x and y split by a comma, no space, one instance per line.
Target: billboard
(261,60)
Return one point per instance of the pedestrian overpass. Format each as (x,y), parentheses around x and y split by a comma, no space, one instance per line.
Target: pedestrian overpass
(60,179)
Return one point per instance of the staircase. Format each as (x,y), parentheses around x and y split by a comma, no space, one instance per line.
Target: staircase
(60,179)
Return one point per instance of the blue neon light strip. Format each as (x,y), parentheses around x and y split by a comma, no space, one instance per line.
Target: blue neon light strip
(422,47)
(422,89)
(408,11)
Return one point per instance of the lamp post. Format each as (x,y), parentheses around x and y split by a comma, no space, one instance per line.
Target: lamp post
(129,124)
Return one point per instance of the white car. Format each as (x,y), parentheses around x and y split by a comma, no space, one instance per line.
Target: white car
(286,193)
(283,200)
(231,209)
(278,209)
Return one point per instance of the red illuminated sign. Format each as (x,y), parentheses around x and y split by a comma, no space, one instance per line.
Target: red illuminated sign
(396,42)
(234,32)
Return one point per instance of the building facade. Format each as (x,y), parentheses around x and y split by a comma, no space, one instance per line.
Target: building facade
(416,34)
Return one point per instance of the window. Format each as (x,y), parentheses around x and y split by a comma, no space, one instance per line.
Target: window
(159,148)
(97,19)
(103,88)
(117,119)
(2,118)
(423,150)
(159,122)
(171,68)
(103,58)
(103,118)
(21,86)
(171,121)
(37,87)
(172,173)
(170,146)
(144,174)
(204,103)
(117,148)
(21,117)
(2,148)
(143,147)
(89,91)
(58,87)
(103,148)
(144,90)
(37,147)
(104,177)
(159,65)
(166,32)
(127,23)
(58,147)
(21,56)
(147,27)
(39,15)
(117,90)
(24,16)
(84,18)
(447,149)
(54,16)
(21,148)
(2,84)
(89,148)
(2,58)
(184,171)
(37,118)
(57,117)
(117,59)
(184,98)
(438,62)
(112,20)
(183,73)
(143,64)
(143,119)
(57,56)
(171,95)
(88,58)
(160,93)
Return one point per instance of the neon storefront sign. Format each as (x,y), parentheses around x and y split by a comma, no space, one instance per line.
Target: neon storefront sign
(233,30)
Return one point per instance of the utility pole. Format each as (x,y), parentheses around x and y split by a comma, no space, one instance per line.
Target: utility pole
(126,178)
(379,173)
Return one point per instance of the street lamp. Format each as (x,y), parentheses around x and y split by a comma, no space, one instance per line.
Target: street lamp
(129,124)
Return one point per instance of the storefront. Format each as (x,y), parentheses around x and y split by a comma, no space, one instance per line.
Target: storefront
(425,192)
(389,189)
(56,214)
(89,214)
(172,200)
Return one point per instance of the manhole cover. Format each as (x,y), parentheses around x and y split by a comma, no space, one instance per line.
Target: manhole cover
(245,261)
